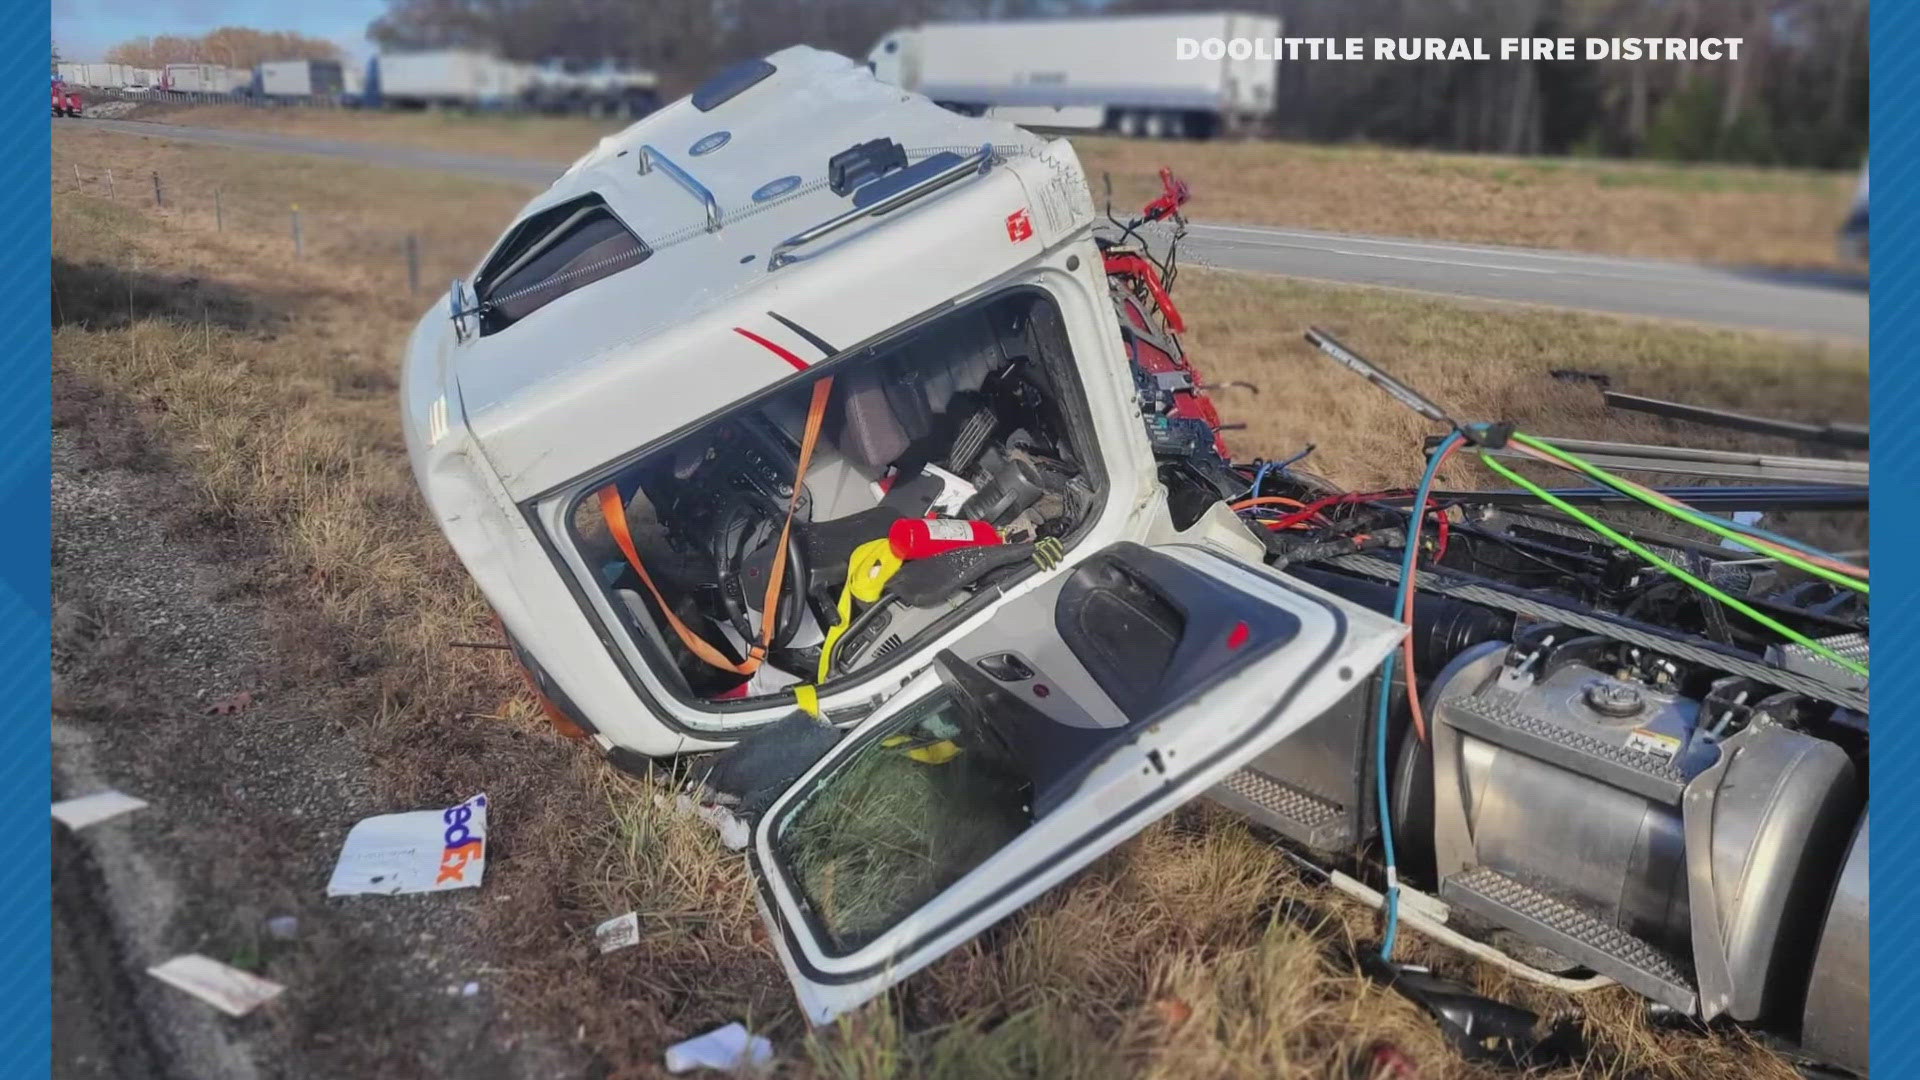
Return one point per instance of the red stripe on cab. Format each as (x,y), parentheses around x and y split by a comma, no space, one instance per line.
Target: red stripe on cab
(798,364)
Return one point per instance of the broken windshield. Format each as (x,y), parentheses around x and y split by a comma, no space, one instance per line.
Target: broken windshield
(929,797)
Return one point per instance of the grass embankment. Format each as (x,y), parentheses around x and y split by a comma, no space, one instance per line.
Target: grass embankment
(1486,362)
(1185,953)
(1712,213)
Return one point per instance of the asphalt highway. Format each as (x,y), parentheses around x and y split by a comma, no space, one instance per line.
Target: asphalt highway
(1826,304)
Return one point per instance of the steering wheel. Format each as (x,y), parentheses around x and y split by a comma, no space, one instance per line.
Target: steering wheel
(744,526)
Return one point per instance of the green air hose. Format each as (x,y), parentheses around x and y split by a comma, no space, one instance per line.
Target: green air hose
(1687,513)
(1604,530)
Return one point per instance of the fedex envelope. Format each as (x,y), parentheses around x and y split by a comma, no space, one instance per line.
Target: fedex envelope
(421,851)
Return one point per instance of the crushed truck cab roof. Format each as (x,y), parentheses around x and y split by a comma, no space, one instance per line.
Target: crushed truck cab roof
(711,193)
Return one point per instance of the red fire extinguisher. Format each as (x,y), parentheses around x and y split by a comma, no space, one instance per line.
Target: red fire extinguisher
(920,538)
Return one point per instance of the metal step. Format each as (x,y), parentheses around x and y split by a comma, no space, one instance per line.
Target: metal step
(1632,962)
(1304,818)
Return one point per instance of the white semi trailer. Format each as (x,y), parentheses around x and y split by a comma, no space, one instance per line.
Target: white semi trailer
(1123,74)
(460,77)
(299,78)
(204,78)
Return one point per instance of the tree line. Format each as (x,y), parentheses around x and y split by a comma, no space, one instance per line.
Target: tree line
(232,46)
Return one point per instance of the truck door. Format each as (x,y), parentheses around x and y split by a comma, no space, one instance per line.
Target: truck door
(1084,711)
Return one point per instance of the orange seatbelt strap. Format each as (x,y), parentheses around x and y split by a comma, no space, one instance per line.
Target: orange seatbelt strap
(614,510)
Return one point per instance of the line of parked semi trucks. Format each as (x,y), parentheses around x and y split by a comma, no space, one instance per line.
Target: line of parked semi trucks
(1127,74)
(446,77)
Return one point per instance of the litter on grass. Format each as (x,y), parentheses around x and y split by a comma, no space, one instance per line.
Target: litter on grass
(727,1047)
(618,932)
(93,809)
(420,851)
(734,833)
(228,989)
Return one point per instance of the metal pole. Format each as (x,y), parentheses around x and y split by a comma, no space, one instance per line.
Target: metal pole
(299,248)
(109,185)
(158,200)
(219,219)
(413,263)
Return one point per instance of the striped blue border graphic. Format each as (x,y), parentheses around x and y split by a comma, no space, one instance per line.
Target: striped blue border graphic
(1896,494)
(25,599)
(1895,850)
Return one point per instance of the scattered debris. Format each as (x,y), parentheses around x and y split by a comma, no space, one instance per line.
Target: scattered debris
(420,851)
(1173,1012)
(471,989)
(1481,1028)
(729,1047)
(95,808)
(733,829)
(108,110)
(226,988)
(750,775)
(618,932)
(283,927)
(230,704)
(1742,517)
(1392,1063)
(1598,378)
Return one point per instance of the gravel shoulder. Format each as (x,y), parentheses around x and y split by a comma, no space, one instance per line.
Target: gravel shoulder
(158,616)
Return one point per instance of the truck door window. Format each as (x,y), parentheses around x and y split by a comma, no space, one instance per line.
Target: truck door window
(927,800)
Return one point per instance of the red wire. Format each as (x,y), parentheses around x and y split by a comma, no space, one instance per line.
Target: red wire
(1322,503)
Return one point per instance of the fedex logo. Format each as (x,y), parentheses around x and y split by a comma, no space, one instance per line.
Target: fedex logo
(463,841)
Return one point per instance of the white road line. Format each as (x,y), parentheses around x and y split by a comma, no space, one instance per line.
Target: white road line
(1379,255)
(1478,249)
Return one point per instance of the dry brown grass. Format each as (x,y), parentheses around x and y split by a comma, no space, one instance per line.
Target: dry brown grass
(1715,213)
(1182,954)
(1712,213)
(529,138)
(1490,362)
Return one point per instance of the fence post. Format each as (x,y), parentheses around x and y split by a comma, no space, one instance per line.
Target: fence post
(110,185)
(158,200)
(76,175)
(299,248)
(219,219)
(413,263)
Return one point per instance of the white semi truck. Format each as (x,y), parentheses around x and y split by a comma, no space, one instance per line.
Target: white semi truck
(469,78)
(805,405)
(1123,74)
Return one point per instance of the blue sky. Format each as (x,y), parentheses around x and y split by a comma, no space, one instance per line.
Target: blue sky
(84,29)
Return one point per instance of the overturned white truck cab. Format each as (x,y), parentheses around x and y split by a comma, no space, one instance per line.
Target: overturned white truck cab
(806,405)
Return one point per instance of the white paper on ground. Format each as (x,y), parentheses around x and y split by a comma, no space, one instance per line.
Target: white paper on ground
(734,833)
(618,932)
(228,989)
(421,851)
(728,1047)
(92,809)
(1741,517)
